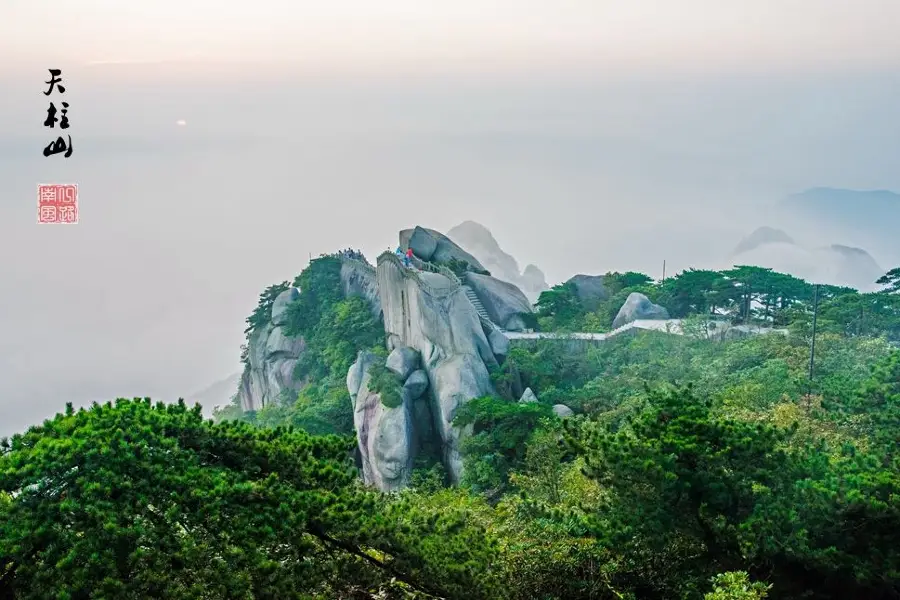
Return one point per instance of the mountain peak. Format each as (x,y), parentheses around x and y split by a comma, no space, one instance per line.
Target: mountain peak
(480,242)
(760,237)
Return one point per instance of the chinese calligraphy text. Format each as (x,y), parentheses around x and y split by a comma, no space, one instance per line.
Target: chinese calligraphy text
(60,145)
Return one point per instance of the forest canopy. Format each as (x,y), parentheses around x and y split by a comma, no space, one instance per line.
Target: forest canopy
(692,468)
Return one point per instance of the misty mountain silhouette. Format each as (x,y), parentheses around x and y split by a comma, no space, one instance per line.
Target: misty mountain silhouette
(761,236)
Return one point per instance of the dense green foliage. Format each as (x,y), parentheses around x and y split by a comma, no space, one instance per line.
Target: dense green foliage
(745,376)
(263,310)
(744,294)
(130,500)
(500,430)
(891,280)
(262,313)
(334,329)
(320,288)
(693,470)
(736,585)
(385,382)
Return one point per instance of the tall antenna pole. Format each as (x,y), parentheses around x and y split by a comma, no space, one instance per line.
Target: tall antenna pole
(812,346)
(664,271)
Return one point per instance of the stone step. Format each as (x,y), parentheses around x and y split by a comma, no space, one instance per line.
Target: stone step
(479,307)
(473,298)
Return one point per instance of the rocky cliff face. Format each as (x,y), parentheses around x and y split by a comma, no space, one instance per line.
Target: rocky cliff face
(442,335)
(433,246)
(269,373)
(386,433)
(430,313)
(358,279)
(503,302)
(497,300)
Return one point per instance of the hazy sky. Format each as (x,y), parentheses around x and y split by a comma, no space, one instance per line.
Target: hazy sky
(704,33)
(588,136)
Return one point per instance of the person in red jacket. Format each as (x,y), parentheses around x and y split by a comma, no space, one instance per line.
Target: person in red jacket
(408,258)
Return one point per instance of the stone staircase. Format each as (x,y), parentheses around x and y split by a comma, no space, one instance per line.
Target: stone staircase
(421,265)
(479,307)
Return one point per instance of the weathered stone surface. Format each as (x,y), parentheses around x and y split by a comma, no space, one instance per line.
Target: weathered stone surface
(279,345)
(416,384)
(422,240)
(384,435)
(268,376)
(499,344)
(638,306)
(431,314)
(590,290)
(279,306)
(252,390)
(393,342)
(503,301)
(403,361)
(280,379)
(562,411)
(358,370)
(272,356)
(392,448)
(455,380)
(257,344)
(358,279)
(528,396)
(428,312)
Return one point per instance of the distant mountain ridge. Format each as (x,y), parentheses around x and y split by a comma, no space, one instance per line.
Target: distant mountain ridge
(834,264)
(761,236)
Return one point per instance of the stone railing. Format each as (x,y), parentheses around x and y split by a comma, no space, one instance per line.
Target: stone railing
(344,257)
(423,265)
(364,264)
(392,257)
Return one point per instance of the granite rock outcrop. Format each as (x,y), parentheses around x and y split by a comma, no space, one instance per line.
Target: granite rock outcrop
(638,307)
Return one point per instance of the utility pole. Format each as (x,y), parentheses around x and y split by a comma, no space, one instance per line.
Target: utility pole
(664,271)
(862,319)
(812,346)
